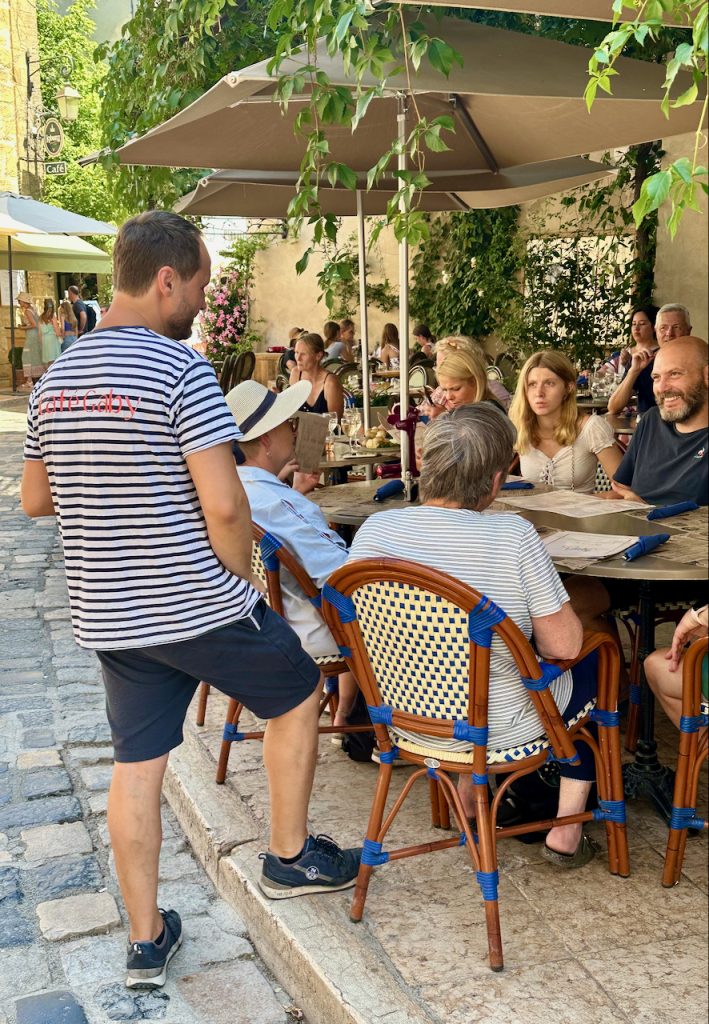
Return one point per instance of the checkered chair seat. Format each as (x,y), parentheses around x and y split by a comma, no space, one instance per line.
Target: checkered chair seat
(704,708)
(602,481)
(456,752)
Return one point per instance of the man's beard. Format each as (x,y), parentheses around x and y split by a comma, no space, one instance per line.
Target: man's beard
(180,325)
(694,399)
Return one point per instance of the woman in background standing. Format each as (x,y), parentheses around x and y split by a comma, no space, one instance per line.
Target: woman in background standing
(69,324)
(32,351)
(50,332)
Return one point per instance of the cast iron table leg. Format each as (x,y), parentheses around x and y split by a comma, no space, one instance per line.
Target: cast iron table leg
(645,776)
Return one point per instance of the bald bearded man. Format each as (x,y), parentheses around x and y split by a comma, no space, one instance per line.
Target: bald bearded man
(666,461)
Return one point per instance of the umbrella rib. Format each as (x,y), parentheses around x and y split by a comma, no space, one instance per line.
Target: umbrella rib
(473,131)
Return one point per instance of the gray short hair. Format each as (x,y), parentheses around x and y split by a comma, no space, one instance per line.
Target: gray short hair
(676,307)
(462,451)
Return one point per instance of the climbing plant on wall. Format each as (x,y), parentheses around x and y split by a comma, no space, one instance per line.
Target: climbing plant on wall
(466,274)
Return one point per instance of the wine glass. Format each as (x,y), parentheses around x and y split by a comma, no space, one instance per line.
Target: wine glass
(332,425)
(351,422)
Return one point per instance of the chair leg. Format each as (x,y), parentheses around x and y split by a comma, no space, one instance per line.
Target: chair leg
(487,877)
(204,689)
(685,793)
(232,718)
(374,826)
(632,726)
(435,806)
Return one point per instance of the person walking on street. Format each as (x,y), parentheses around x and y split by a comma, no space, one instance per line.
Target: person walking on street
(80,310)
(129,442)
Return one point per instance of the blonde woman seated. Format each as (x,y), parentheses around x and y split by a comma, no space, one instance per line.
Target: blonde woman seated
(470,372)
(557,443)
(326,394)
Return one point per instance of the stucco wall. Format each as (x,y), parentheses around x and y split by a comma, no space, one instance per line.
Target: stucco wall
(282,299)
(681,273)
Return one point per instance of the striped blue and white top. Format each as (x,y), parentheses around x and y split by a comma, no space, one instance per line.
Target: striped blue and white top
(499,555)
(114,419)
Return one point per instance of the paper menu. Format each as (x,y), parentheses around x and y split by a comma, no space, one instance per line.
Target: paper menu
(567,544)
(570,503)
(310,441)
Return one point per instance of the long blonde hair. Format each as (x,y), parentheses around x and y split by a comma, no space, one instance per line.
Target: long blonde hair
(567,429)
(67,311)
(462,360)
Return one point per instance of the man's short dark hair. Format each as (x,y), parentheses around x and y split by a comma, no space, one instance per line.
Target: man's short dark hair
(150,241)
(73,288)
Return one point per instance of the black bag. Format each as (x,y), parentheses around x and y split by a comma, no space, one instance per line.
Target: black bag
(359,745)
(90,317)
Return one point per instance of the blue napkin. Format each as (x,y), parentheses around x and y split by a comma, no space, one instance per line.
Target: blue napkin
(645,545)
(389,490)
(517,485)
(665,511)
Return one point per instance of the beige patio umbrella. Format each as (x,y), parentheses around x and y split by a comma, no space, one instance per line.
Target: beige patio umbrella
(245,193)
(516,100)
(588,10)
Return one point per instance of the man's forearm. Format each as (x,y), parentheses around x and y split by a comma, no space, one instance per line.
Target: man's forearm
(230,539)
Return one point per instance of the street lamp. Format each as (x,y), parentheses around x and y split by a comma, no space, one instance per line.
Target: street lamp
(68,102)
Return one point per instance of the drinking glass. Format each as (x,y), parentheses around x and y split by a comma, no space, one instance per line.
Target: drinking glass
(351,422)
(332,425)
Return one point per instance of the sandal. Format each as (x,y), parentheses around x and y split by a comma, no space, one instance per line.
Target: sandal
(585,851)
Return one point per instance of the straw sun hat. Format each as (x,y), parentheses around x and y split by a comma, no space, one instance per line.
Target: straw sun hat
(258,410)
(24,297)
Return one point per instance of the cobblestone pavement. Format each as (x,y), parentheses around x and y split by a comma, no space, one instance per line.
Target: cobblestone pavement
(62,923)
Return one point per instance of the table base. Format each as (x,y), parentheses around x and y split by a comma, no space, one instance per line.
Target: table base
(646,777)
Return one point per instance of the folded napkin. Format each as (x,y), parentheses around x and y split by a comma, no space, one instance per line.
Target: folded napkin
(645,545)
(389,490)
(517,485)
(665,511)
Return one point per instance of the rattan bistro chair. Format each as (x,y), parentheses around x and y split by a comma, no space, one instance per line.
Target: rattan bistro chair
(419,643)
(693,750)
(268,556)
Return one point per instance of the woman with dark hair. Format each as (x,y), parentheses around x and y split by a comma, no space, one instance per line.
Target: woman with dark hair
(424,339)
(638,375)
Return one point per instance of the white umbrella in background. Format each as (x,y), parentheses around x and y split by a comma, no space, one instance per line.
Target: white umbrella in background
(516,100)
(20,215)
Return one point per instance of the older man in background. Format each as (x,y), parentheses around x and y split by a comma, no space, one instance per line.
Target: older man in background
(672,321)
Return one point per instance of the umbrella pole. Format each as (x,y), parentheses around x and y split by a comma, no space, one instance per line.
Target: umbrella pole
(13,371)
(364,353)
(403,314)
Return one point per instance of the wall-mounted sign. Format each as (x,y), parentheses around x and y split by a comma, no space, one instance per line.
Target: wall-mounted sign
(52,137)
(57,167)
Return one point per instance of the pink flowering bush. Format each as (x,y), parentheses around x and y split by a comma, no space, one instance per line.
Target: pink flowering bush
(224,322)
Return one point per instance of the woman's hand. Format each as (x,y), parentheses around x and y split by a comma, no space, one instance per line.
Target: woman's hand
(687,629)
(305,482)
(288,470)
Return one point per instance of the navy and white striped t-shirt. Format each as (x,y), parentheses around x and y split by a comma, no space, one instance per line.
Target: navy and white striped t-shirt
(114,419)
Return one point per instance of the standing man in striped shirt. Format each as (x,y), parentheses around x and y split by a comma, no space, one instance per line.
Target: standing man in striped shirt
(129,444)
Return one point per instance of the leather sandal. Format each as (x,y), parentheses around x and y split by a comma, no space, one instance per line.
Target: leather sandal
(585,851)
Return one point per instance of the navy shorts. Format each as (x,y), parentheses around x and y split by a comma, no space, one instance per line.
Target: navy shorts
(257,660)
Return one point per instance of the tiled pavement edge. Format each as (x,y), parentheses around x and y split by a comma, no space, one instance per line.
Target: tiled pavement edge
(62,924)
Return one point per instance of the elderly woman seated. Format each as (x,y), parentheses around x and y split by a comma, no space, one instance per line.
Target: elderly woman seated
(465,458)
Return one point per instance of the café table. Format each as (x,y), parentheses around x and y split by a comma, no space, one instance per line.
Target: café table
(682,560)
(598,404)
(622,424)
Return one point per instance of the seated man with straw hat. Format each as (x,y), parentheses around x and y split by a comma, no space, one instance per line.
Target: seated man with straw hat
(269,423)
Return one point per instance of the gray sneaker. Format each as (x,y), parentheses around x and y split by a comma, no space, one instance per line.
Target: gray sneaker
(147,961)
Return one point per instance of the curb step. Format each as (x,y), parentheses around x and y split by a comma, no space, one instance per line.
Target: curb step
(329,965)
